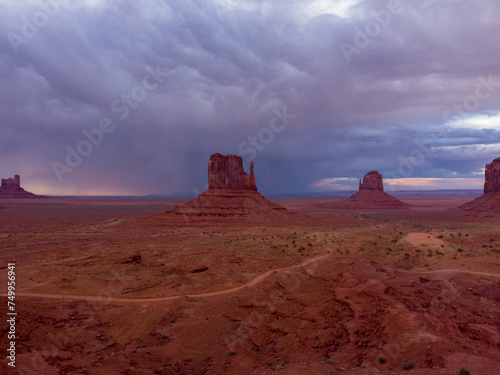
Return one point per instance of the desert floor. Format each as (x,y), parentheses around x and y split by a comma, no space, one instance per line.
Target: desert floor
(118,286)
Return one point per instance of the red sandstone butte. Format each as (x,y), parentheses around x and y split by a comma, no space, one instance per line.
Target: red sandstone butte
(492,177)
(11,188)
(372,181)
(371,194)
(226,172)
(231,192)
(490,200)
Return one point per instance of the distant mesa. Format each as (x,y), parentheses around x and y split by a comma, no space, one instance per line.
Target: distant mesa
(371,194)
(231,192)
(490,200)
(372,181)
(11,188)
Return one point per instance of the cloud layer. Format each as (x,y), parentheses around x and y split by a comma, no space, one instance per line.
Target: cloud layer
(417,94)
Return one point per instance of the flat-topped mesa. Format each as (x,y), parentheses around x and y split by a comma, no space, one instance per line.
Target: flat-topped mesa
(372,181)
(226,172)
(11,188)
(13,183)
(492,177)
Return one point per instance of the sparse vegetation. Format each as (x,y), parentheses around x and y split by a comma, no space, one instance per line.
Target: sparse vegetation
(408,366)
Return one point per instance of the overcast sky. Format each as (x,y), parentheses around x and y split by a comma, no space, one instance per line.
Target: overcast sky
(132,97)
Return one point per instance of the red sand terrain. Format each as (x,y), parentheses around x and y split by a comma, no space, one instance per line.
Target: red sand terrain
(119,286)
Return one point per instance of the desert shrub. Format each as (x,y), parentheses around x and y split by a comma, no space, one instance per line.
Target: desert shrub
(463,372)
(408,366)
(381,359)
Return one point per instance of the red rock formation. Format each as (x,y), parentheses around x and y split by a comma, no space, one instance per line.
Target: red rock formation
(371,195)
(11,188)
(372,181)
(11,183)
(226,172)
(492,177)
(231,192)
(490,200)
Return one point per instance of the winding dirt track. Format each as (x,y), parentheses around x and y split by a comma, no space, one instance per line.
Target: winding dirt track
(256,280)
(108,299)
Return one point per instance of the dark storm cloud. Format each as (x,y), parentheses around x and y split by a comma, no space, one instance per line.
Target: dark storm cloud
(211,74)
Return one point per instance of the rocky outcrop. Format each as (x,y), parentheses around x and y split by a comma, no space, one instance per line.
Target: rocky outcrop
(11,188)
(231,193)
(13,183)
(371,195)
(372,181)
(490,200)
(492,177)
(226,172)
